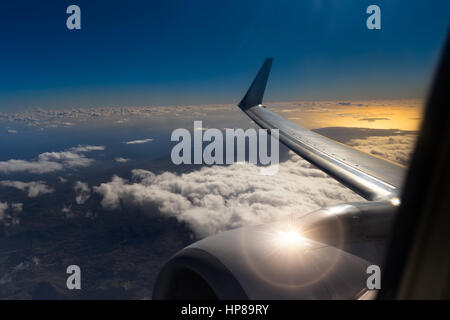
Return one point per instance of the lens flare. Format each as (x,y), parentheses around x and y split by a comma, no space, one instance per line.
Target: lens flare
(291,237)
(395,201)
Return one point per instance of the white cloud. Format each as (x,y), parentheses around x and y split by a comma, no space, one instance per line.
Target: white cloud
(40,166)
(67,210)
(83,192)
(3,207)
(34,188)
(121,160)
(394,148)
(9,212)
(62,179)
(87,148)
(219,198)
(17,207)
(139,141)
(66,158)
(51,161)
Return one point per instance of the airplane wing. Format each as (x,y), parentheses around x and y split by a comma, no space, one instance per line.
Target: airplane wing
(337,244)
(371,177)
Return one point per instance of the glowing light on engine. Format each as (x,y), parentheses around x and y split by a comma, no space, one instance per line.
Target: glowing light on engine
(277,252)
(395,201)
(339,208)
(290,237)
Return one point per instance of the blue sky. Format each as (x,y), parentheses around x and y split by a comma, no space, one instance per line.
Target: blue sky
(193,52)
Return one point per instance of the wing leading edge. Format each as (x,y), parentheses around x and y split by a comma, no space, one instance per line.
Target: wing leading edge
(371,177)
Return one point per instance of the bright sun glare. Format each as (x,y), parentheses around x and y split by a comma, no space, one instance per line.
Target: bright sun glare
(291,237)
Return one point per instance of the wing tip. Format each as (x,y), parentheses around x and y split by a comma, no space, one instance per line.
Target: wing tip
(255,93)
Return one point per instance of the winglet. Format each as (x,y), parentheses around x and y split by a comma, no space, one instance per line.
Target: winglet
(255,93)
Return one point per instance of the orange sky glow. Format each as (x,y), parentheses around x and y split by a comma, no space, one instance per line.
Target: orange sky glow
(374,114)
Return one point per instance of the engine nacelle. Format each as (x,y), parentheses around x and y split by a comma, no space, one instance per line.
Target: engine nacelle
(323,255)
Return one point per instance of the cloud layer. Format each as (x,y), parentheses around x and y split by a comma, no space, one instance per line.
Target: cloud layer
(34,188)
(82,191)
(121,160)
(9,213)
(219,198)
(394,148)
(139,141)
(51,161)
(310,114)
